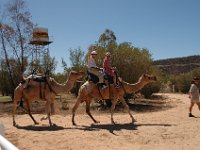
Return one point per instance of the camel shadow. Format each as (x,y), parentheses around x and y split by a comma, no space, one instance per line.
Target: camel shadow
(148,124)
(93,127)
(118,127)
(40,128)
(110,127)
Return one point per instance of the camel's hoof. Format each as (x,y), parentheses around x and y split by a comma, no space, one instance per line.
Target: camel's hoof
(112,122)
(14,124)
(74,124)
(133,121)
(53,125)
(96,121)
(36,123)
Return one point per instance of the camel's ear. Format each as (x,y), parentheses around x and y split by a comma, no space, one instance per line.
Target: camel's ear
(144,75)
(82,72)
(51,79)
(73,72)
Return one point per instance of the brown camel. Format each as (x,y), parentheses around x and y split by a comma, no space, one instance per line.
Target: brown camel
(89,91)
(34,90)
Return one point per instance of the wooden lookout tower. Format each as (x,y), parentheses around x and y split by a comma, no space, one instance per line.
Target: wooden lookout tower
(40,42)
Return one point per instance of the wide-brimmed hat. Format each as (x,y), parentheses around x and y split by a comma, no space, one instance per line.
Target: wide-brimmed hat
(195,79)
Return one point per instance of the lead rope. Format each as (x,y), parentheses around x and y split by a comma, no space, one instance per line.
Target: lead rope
(100,92)
(121,82)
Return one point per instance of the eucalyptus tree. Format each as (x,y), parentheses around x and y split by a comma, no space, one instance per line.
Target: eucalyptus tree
(15,31)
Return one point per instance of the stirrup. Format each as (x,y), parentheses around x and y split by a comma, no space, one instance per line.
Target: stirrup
(101,85)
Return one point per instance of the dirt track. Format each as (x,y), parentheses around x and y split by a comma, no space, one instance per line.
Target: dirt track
(169,128)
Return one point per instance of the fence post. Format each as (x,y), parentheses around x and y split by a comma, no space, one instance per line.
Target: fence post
(1,129)
(4,143)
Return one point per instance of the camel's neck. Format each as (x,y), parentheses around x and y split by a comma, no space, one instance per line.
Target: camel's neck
(131,88)
(64,88)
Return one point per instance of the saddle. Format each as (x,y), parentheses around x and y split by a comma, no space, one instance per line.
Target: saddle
(93,78)
(39,78)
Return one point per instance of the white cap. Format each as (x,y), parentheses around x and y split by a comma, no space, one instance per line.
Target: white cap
(93,53)
(108,54)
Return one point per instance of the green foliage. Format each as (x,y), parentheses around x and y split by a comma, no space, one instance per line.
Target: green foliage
(184,80)
(60,77)
(5,87)
(49,64)
(181,82)
(77,59)
(131,62)
(148,90)
(15,31)
(195,72)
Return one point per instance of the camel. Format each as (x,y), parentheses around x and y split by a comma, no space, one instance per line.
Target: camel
(89,91)
(46,91)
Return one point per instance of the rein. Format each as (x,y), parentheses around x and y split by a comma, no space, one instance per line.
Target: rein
(121,82)
(50,88)
(100,92)
(123,87)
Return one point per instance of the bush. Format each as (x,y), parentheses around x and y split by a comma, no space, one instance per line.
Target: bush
(148,90)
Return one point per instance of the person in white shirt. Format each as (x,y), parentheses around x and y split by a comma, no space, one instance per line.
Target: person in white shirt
(92,67)
(194,95)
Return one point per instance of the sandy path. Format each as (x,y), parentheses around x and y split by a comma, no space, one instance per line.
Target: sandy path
(169,129)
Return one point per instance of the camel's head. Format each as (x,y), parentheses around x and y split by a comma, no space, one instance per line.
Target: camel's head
(147,78)
(74,75)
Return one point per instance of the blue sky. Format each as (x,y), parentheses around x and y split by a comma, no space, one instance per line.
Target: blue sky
(167,28)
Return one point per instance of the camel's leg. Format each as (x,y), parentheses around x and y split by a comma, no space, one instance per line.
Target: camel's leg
(114,102)
(29,111)
(75,108)
(14,111)
(52,109)
(48,109)
(49,118)
(52,112)
(127,108)
(88,112)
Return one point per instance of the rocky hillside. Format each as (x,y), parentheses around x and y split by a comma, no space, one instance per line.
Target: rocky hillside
(178,65)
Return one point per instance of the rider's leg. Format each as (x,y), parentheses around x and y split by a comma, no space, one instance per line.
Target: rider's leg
(97,73)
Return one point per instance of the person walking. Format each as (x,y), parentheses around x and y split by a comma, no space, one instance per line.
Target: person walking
(194,95)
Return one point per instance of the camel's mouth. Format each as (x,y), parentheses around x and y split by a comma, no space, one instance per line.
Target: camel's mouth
(153,78)
(80,81)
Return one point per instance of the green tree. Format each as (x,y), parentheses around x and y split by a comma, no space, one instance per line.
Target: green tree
(77,59)
(106,38)
(15,31)
(49,64)
(131,62)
